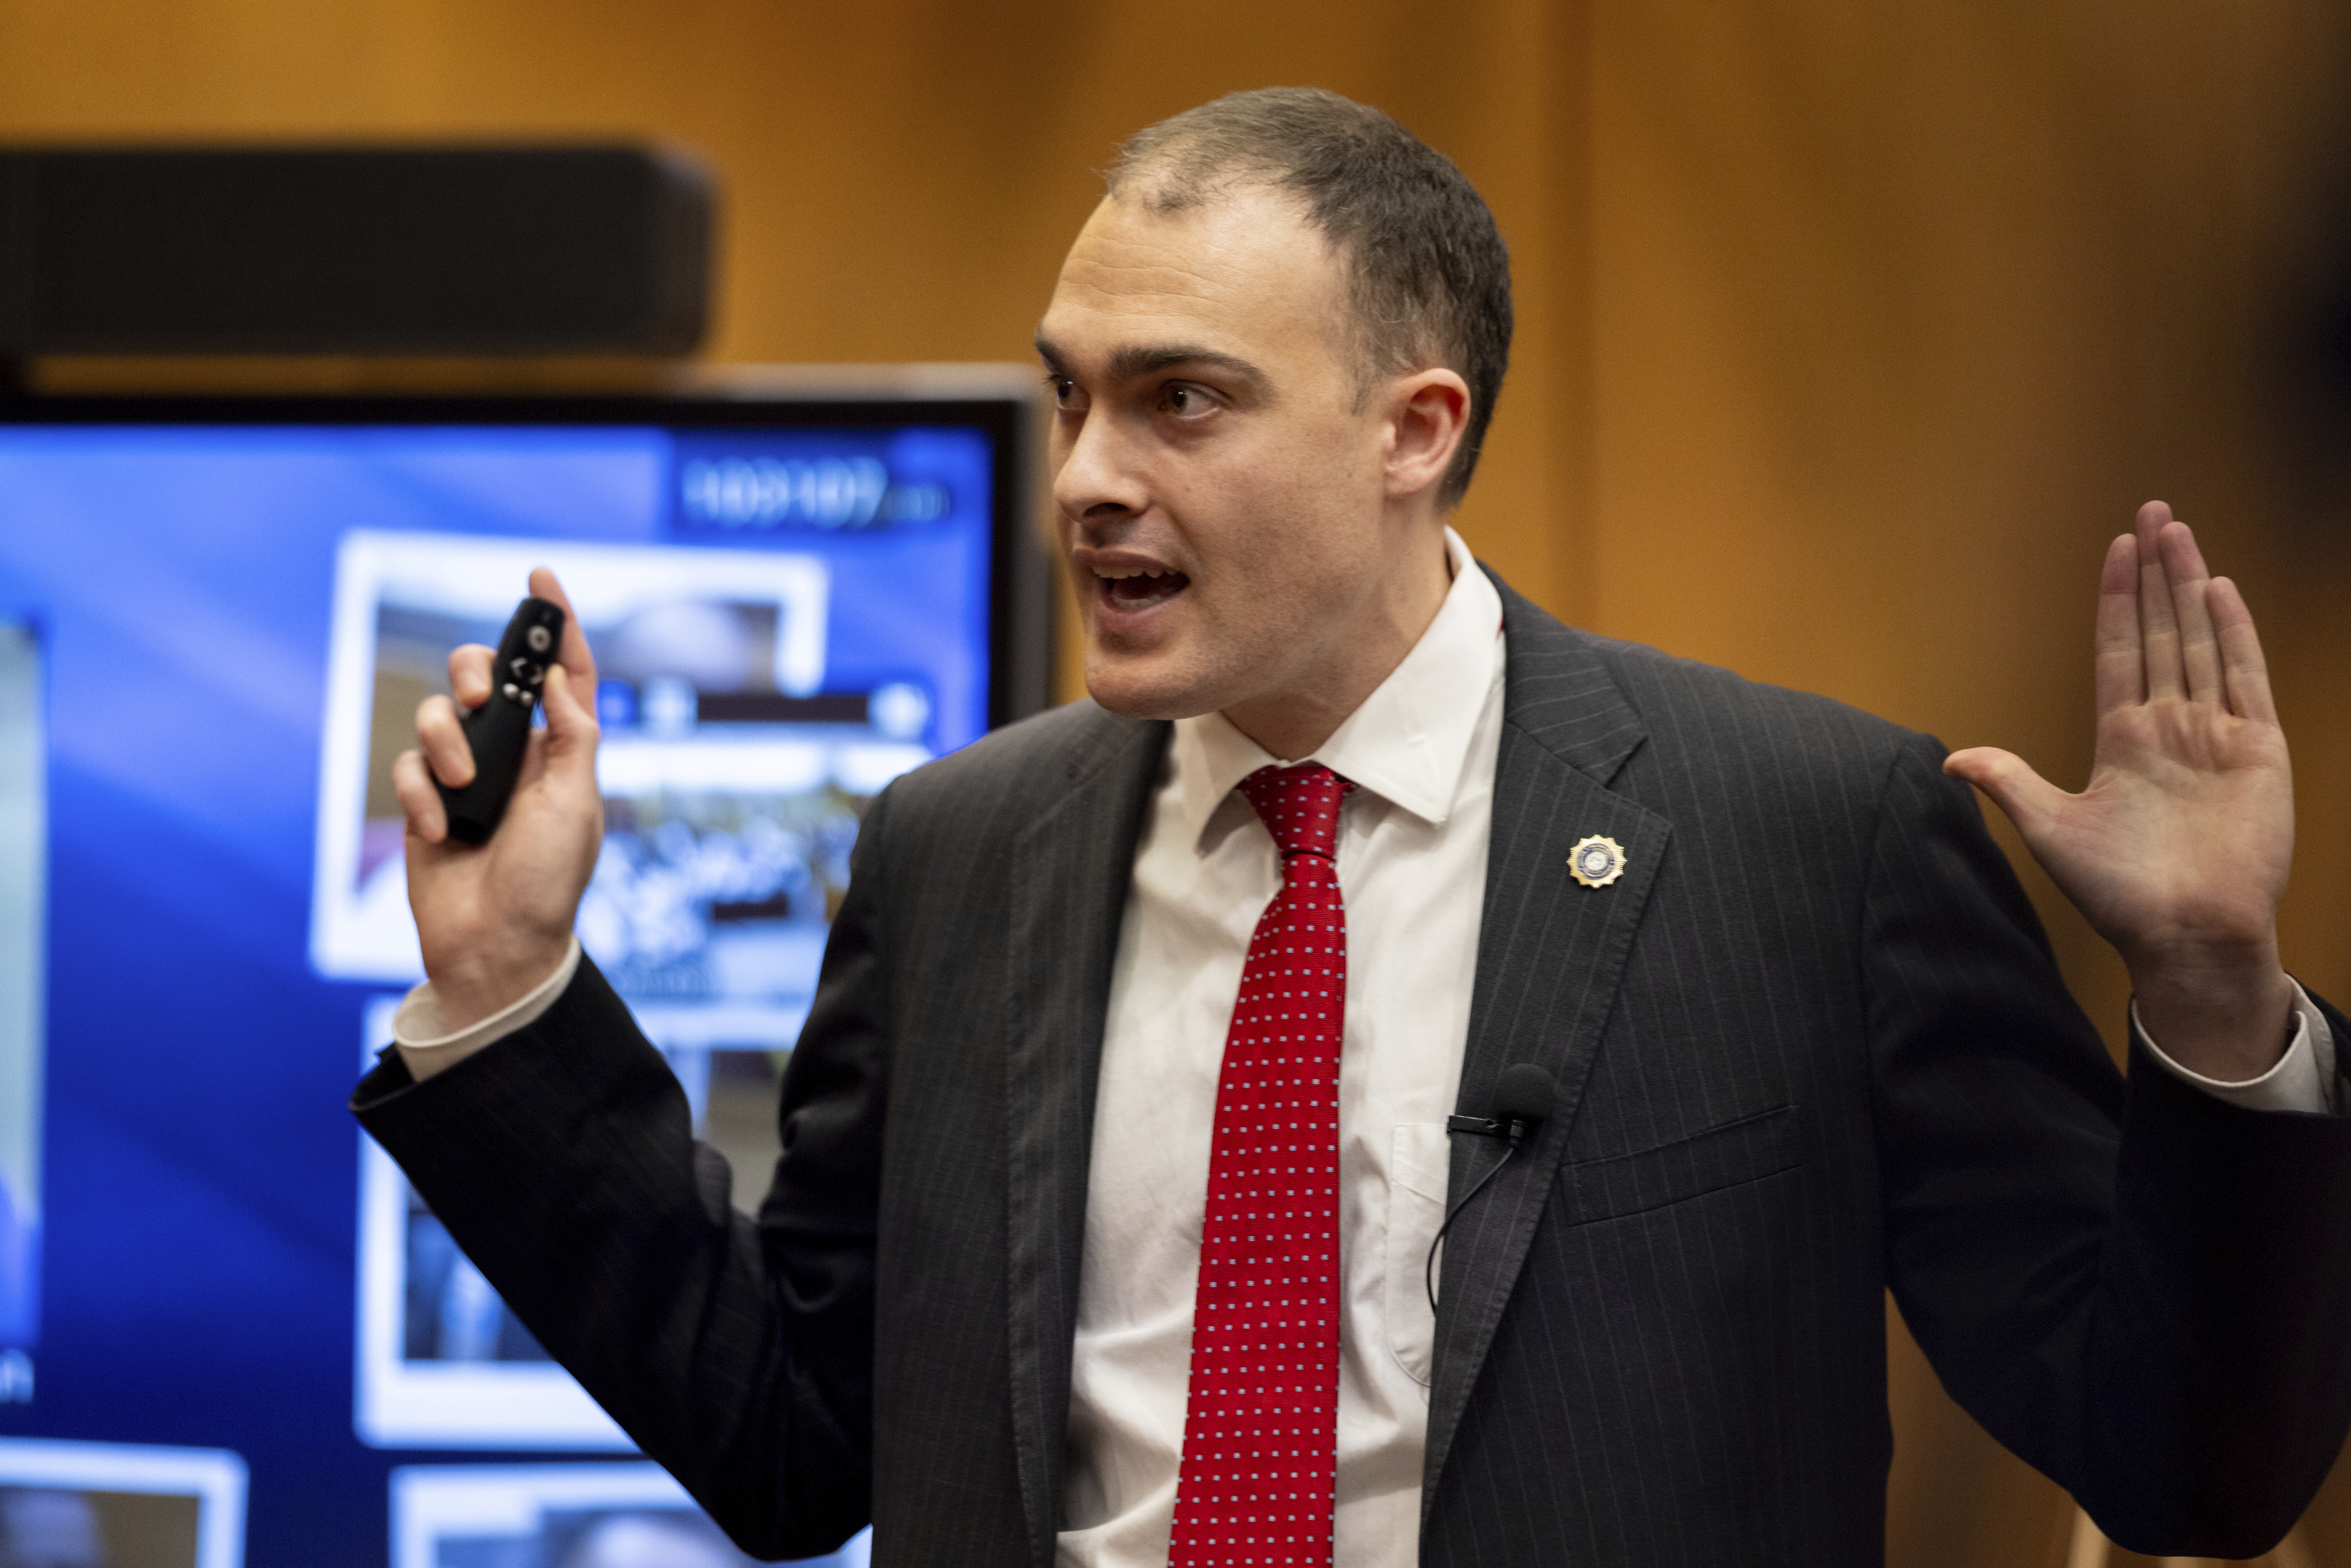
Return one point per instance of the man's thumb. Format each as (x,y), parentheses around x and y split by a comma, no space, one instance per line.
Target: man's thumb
(2013,786)
(571,729)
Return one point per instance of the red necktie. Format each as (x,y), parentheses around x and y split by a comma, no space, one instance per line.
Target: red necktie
(1260,1423)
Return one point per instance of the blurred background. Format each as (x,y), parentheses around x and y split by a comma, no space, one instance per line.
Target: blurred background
(1848,334)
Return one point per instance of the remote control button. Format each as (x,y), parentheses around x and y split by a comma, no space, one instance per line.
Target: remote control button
(538,639)
(511,690)
(532,676)
(521,667)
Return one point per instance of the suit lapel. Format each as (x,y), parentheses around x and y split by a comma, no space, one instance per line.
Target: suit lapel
(1549,954)
(1071,871)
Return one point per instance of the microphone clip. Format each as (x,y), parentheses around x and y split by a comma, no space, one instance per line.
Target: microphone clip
(1511,1128)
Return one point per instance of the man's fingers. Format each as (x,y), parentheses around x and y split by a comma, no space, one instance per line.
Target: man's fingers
(2183,568)
(419,800)
(2120,664)
(2245,671)
(469,673)
(2028,799)
(2158,624)
(442,740)
(575,656)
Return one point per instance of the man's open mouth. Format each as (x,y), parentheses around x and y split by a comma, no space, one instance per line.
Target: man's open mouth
(1140,590)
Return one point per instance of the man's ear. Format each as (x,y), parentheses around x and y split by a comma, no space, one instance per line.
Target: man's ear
(1427,422)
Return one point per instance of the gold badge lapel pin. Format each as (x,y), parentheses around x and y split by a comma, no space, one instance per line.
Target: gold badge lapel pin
(1597,862)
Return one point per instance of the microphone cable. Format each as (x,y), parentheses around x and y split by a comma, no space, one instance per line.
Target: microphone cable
(1524,1098)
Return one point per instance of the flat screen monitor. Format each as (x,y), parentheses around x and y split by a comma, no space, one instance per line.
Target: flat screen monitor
(217,617)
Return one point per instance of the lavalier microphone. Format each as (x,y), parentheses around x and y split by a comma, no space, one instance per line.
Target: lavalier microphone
(1524,1097)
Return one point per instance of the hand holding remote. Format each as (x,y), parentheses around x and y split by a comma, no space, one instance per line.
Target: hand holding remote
(495,917)
(498,731)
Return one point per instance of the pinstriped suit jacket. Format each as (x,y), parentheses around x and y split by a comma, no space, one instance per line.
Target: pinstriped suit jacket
(1809,1046)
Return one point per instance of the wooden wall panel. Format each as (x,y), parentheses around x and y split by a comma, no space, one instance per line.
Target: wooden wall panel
(1848,332)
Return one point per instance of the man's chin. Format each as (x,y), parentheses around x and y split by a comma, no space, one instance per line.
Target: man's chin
(1149,688)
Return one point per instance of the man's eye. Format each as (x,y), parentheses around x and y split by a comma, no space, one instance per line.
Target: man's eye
(1187,401)
(1062,388)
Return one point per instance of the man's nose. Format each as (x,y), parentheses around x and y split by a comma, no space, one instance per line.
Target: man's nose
(1097,473)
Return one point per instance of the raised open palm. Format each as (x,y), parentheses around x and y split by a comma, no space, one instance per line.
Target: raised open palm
(2178,849)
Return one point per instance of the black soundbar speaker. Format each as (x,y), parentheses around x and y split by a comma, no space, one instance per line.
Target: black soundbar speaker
(353,250)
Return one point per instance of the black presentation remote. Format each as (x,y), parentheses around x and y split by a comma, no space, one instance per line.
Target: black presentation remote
(500,727)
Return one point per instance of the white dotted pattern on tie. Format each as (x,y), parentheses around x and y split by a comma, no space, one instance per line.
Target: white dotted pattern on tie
(1260,1421)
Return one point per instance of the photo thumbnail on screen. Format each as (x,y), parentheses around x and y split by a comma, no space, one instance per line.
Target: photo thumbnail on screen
(733,776)
(23,849)
(443,1362)
(119,1505)
(561,1516)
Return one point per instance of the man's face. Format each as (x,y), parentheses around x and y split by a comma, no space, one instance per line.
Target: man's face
(1222,497)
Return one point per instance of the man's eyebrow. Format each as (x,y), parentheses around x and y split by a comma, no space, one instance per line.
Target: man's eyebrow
(1140,360)
(1149,359)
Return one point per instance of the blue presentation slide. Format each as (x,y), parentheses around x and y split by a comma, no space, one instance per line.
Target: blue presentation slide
(212,642)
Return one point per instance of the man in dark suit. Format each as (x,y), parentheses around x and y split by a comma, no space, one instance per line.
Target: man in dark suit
(1117,1135)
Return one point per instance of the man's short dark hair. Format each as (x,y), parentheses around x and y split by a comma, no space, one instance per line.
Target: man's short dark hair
(1428,275)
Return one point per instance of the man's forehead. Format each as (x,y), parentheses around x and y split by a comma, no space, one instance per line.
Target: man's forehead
(1239,270)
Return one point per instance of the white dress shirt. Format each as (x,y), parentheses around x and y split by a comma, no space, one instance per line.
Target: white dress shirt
(1413,838)
(1412,871)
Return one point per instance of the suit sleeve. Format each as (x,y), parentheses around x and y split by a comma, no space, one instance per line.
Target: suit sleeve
(737,1355)
(2136,1286)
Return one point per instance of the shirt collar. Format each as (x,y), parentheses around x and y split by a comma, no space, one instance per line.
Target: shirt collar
(1408,741)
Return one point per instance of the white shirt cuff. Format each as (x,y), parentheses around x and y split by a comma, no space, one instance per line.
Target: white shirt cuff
(429,1046)
(2302,1078)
